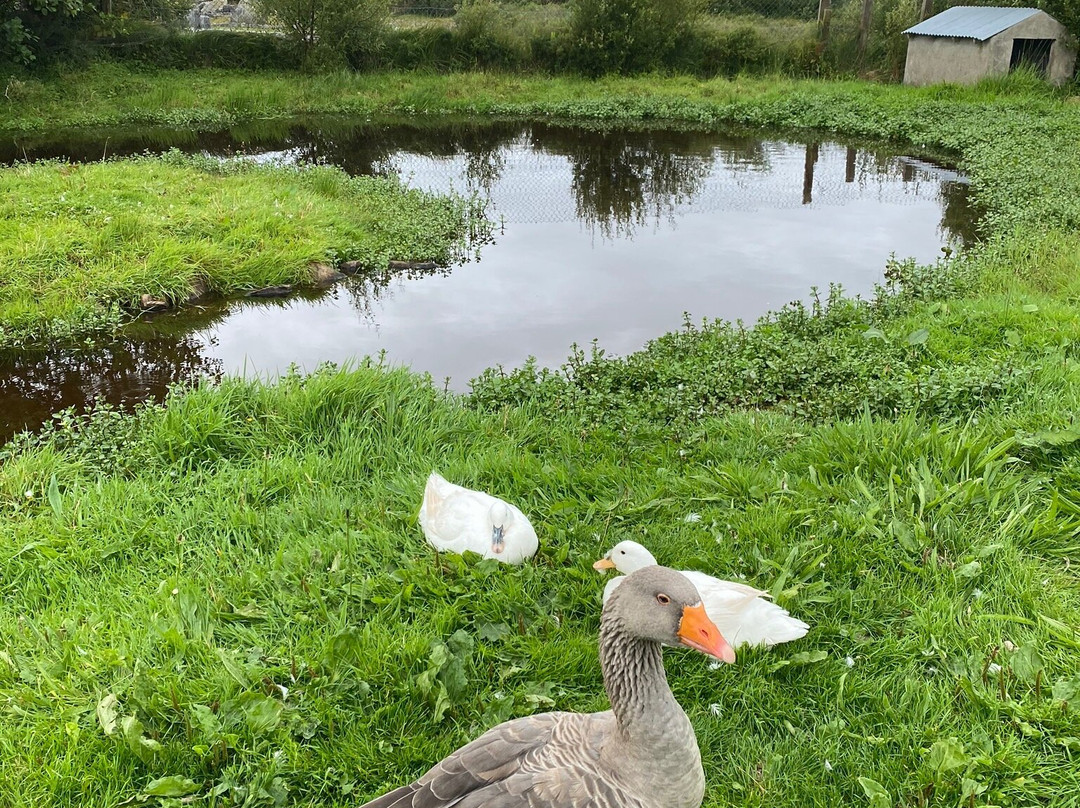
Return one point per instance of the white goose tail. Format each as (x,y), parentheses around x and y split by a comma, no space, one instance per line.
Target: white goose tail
(435,493)
(764,623)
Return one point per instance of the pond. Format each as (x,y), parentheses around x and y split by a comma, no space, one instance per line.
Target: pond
(601,234)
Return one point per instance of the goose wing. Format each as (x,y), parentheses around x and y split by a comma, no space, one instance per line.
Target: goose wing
(743,615)
(543,761)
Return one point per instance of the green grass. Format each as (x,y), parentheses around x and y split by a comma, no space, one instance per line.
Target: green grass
(902,473)
(78,241)
(194,562)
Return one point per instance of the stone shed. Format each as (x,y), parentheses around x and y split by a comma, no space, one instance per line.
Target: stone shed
(967,43)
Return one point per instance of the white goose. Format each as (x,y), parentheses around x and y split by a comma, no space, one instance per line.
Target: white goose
(456,519)
(738,610)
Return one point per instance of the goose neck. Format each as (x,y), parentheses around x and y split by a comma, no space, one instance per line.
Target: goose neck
(635,680)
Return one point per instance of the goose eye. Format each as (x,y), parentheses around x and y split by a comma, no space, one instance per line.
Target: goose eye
(663,599)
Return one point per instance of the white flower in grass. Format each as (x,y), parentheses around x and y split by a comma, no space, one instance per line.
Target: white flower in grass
(715,666)
(849,661)
(692,517)
(828,766)
(29,494)
(714,709)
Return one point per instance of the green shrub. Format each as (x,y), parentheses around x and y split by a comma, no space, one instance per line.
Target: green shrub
(426,8)
(425,46)
(726,53)
(484,37)
(331,33)
(215,49)
(628,36)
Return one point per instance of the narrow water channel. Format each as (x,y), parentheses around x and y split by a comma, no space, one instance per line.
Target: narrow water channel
(601,234)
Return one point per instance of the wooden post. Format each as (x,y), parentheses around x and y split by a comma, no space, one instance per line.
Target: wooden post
(927,10)
(824,17)
(808,173)
(864,28)
(849,168)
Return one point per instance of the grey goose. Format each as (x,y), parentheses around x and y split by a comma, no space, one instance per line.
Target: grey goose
(642,753)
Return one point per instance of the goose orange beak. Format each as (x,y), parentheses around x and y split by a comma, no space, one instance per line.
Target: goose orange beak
(603,564)
(697,631)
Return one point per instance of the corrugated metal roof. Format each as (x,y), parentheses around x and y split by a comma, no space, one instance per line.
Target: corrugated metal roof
(972,22)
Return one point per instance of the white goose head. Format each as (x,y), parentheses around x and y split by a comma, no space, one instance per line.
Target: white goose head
(626,557)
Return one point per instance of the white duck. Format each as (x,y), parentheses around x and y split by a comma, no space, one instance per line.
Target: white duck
(738,610)
(457,519)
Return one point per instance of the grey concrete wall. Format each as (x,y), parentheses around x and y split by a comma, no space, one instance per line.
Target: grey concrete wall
(935,59)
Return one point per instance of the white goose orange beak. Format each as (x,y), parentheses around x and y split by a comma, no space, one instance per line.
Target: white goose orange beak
(697,631)
(603,564)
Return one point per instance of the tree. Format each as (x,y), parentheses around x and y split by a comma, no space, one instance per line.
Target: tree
(331,32)
(32,29)
(41,30)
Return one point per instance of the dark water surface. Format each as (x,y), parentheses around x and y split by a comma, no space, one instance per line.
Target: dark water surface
(607,235)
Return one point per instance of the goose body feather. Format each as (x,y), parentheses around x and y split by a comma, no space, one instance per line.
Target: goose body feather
(455,519)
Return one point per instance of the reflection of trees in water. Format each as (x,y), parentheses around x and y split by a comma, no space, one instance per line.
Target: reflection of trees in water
(743,153)
(959,215)
(366,290)
(34,385)
(622,180)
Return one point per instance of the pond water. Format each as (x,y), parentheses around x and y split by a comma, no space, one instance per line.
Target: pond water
(601,234)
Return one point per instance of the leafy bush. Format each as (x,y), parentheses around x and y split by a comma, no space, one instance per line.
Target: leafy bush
(484,38)
(331,32)
(627,36)
(426,8)
(43,30)
(725,53)
(430,46)
(215,49)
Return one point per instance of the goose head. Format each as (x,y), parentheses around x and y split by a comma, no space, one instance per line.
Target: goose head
(626,557)
(501,517)
(661,605)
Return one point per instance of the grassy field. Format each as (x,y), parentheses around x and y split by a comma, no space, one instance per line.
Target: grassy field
(228,597)
(78,242)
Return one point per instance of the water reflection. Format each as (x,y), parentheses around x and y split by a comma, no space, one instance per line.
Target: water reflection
(602,234)
(36,384)
(620,181)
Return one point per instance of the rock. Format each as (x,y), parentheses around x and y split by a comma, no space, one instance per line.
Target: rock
(422,265)
(151,303)
(350,267)
(271,291)
(223,14)
(324,274)
(199,289)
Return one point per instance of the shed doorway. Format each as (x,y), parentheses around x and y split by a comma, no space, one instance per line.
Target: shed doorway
(1031,53)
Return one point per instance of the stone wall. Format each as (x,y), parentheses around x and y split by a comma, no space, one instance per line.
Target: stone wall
(223,14)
